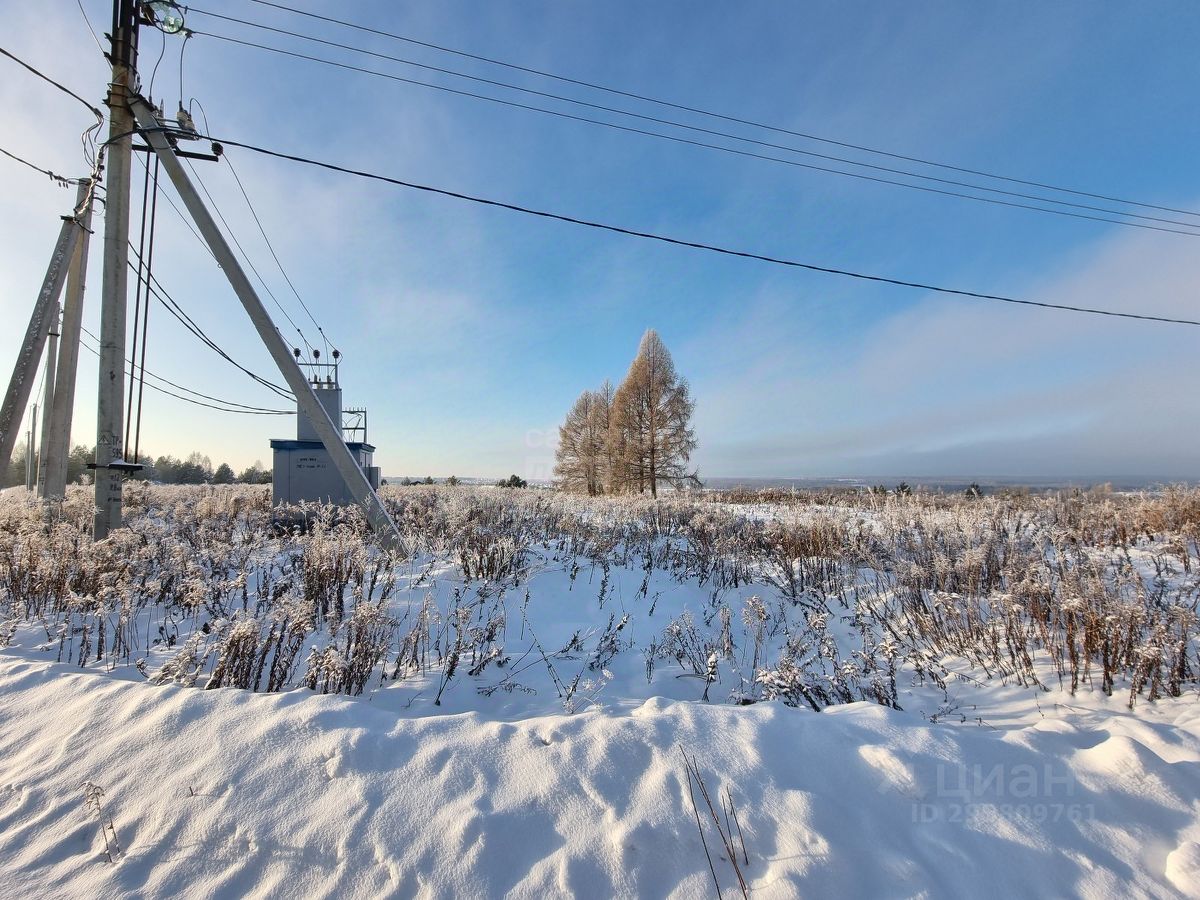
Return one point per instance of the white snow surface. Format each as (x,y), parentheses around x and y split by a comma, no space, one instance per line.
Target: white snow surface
(482,785)
(228,793)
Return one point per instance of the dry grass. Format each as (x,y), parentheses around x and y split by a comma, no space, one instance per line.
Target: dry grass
(852,590)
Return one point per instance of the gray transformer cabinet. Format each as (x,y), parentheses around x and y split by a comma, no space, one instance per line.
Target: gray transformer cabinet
(302,468)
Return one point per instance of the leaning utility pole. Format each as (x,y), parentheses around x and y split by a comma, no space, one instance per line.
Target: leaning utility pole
(60,414)
(110,404)
(327,430)
(21,384)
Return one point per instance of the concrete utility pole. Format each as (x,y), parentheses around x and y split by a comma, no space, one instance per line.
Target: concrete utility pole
(52,335)
(20,385)
(110,403)
(54,452)
(29,452)
(329,432)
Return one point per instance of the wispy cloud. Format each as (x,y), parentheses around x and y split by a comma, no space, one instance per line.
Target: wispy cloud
(971,386)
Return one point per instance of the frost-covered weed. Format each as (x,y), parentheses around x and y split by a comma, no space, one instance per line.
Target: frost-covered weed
(93,800)
(851,592)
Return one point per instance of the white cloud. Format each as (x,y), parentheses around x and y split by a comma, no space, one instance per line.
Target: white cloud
(964,383)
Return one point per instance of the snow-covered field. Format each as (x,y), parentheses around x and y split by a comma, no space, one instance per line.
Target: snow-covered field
(505,706)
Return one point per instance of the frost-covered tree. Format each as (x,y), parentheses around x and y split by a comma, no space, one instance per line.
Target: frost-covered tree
(15,473)
(77,462)
(166,469)
(196,469)
(632,438)
(601,434)
(255,474)
(651,422)
(582,443)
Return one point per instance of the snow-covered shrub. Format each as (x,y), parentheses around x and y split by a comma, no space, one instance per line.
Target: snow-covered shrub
(810,598)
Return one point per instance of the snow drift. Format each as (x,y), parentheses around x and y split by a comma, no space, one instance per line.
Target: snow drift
(232,794)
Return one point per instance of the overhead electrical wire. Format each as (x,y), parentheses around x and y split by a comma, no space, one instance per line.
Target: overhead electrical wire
(709,113)
(711,248)
(190,325)
(153,287)
(674,124)
(142,279)
(92,181)
(261,229)
(88,23)
(93,157)
(182,217)
(144,273)
(156,287)
(232,407)
(246,257)
(747,153)
(189,390)
(154,72)
(66,90)
(274,255)
(176,310)
(60,179)
(161,294)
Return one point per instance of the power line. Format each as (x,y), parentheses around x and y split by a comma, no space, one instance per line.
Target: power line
(66,90)
(246,256)
(173,307)
(189,390)
(190,325)
(61,180)
(709,146)
(177,311)
(673,124)
(715,115)
(712,248)
(88,23)
(92,181)
(88,136)
(154,72)
(183,218)
(139,296)
(274,255)
(229,406)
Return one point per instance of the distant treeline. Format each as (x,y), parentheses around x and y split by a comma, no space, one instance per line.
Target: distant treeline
(195,469)
(512,481)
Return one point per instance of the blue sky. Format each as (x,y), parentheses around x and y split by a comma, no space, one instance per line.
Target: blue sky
(468,331)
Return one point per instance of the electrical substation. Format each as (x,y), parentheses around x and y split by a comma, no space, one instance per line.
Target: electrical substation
(302,470)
